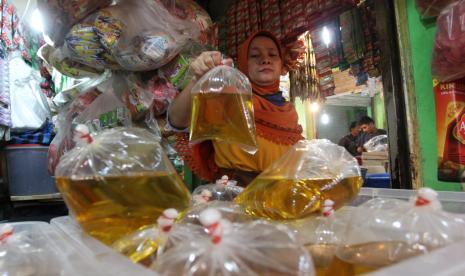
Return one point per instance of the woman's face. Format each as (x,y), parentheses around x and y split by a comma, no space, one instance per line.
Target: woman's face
(264,62)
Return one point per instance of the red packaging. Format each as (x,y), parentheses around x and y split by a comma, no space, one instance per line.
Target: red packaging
(450,129)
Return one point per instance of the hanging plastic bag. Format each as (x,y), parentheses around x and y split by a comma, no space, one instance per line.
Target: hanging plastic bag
(322,235)
(382,232)
(255,248)
(222,190)
(142,35)
(297,184)
(377,143)
(29,106)
(432,8)
(222,109)
(60,16)
(448,57)
(118,181)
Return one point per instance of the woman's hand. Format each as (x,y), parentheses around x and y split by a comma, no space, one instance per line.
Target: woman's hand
(207,61)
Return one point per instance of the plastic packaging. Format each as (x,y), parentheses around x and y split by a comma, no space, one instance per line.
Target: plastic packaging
(296,185)
(377,143)
(222,109)
(118,181)
(229,210)
(141,34)
(255,248)
(386,231)
(60,16)
(222,190)
(432,8)
(322,235)
(448,57)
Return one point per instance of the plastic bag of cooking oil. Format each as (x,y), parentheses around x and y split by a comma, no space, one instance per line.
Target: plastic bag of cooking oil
(296,185)
(382,232)
(377,143)
(60,16)
(252,248)
(118,181)
(142,35)
(322,235)
(143,245)
(222,190)
(222,109)
(229,210)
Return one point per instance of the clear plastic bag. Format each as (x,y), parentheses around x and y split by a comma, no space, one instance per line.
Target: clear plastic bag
(222,109)
(222,190)
(377,143)
(142,35)
(432,8)
(118,181)
(60,16)
(254,248)
(229,210)
(448,53)
(296,185)
(382,232)
(322,235)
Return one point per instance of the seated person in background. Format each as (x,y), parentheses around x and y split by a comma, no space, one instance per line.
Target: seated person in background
(349,142)
(369,130)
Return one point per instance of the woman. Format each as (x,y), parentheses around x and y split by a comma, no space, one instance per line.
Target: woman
(260,58)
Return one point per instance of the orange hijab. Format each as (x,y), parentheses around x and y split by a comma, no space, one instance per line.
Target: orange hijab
(278,124)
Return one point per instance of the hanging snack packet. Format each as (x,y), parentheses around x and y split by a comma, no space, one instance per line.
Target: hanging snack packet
(382,232)
(222,109)
(255,248)
(296,185)
(118,181)
(223,190)
(322,235)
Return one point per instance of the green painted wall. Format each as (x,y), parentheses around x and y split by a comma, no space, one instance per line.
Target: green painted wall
(422,40)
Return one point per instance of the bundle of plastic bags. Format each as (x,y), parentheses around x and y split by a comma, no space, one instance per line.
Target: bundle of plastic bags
(296,185)
(448,54)
(377,143)
(382,232)
(141,34)
(432,8)
(60,16)
(222,109)
(118,181)
(254,248)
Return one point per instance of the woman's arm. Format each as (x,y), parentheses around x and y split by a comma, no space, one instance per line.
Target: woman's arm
(179,112)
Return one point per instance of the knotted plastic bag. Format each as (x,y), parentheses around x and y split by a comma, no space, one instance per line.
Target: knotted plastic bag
(382,232)
(432,8)
(222,109)
(142,35)
(322,235)
(118,181)
(296,185)
(377,143)
(448,54)
(229,210)
(222,190)
(254,248)
(60,16)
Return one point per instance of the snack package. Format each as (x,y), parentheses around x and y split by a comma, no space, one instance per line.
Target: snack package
(296,185)
(448,57)
(60,16)
(432,8)
(377,143)
(222,190)
(322,235)
(143,245)
(222,109)
(254,248)
(70,68)
(141,34)
(82,44)
(382,232)
(118,181)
